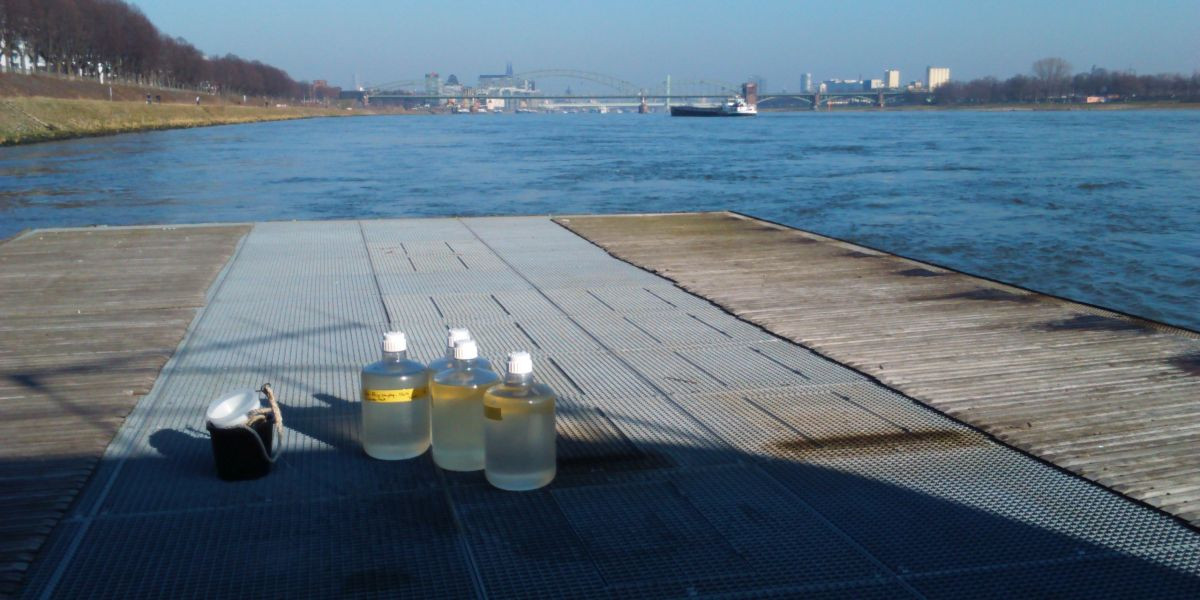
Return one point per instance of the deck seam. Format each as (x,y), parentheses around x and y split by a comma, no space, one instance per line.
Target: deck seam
(119,442)
(956,418)
(703,426)
(464,545)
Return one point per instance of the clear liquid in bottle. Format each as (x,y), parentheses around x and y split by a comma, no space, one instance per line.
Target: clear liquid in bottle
(518,427)
(395,403)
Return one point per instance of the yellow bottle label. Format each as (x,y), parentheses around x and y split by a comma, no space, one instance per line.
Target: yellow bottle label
(492,412)
(407,395)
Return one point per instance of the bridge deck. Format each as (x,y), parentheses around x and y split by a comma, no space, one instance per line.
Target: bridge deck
(698,455)
(1113,398)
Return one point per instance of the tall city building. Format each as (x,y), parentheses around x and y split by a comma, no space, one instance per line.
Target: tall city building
(500,88)
(891,78)
(506,81)
(433,86)
(936,76)
(806,83)
(750,93)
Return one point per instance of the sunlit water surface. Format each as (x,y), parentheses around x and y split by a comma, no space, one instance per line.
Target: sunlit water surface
(1102,207)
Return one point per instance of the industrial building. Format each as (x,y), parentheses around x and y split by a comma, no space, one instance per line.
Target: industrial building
(891,79)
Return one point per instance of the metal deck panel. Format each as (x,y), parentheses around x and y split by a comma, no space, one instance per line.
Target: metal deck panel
(744,468)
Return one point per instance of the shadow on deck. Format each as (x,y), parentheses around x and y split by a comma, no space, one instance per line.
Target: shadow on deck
(621,519)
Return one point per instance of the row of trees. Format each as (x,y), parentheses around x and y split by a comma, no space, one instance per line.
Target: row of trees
(109,38)
(1051,80)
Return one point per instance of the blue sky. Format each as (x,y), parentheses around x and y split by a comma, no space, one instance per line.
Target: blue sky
(644,40)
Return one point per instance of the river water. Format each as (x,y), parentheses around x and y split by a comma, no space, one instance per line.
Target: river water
(1098,206)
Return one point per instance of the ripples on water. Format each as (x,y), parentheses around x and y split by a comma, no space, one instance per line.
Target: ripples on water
(1096,206)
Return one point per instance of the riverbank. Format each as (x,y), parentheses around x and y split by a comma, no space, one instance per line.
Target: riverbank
(27,120)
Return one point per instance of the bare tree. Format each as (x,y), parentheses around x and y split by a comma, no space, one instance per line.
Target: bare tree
(116,38)
(1053,73)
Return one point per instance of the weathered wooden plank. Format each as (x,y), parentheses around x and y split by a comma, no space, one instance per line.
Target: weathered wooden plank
(87,319)
(1107,395)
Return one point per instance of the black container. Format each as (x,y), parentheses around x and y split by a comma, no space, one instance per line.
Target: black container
(243,452)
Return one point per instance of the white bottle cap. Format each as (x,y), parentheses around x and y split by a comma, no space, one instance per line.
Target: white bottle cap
(466,350)
(457,334)
(520,363)
(395,341)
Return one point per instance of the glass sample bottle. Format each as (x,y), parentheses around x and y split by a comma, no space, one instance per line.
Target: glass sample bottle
(395,403)
(518,429)
(457,395)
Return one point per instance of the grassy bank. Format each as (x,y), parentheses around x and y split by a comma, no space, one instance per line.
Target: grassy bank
(25,120)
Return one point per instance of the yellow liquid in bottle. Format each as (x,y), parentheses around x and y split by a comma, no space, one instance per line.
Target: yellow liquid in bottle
(519,436)
(458,418)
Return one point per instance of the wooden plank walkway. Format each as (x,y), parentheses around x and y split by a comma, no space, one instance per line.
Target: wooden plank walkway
(1113,398)
(88,317)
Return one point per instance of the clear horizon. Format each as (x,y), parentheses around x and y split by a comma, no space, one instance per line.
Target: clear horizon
(643,42)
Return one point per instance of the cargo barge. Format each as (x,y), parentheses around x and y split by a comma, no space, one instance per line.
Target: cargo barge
(734,107)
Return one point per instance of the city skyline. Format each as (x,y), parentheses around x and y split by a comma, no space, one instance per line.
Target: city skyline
(777,41)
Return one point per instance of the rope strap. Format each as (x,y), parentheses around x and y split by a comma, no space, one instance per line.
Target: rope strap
(260,414)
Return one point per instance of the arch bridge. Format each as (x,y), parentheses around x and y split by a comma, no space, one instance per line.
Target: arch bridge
(614,83)
(620,87)
(392,87)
